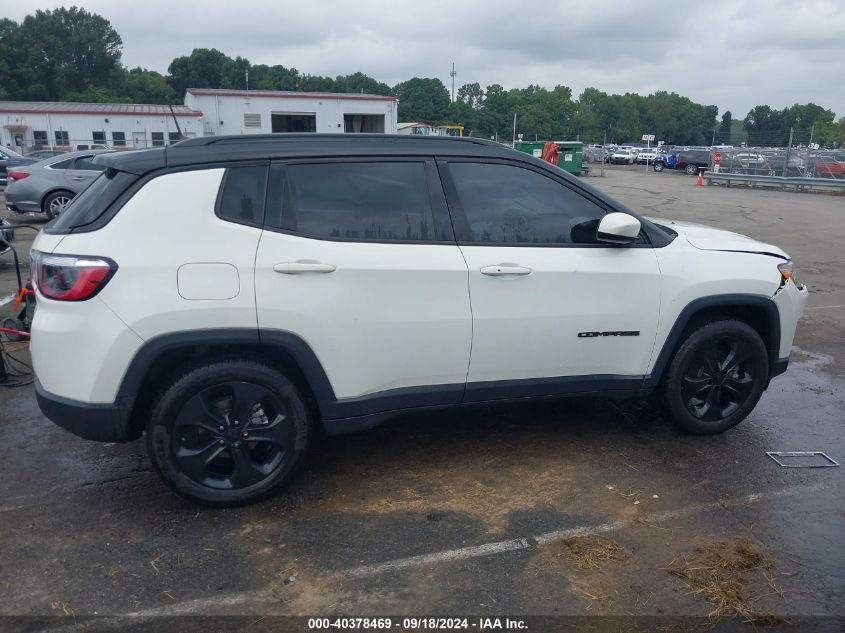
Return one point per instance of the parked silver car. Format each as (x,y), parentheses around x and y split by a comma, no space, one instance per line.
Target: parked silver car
(49,185)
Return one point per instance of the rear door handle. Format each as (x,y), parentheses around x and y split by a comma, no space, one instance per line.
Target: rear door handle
(500,270)
(296,268)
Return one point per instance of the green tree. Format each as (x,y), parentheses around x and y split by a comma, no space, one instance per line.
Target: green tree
(724,134)
(422,99)
(53,53)
(203,68)
(148,86)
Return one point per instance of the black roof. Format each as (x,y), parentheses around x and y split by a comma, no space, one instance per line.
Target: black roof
(221,149)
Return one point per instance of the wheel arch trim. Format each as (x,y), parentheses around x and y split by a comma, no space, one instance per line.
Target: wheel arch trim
(290,343)
(727,301)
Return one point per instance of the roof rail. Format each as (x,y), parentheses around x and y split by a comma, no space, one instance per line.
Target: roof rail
(202,141)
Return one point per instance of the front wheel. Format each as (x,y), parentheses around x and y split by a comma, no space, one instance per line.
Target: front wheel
(716,377)
(229,432)
(691,170)
(659,166)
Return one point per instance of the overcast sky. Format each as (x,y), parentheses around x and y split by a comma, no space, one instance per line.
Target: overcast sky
(733,54)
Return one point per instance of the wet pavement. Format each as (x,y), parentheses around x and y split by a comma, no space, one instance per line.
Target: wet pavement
(465,512)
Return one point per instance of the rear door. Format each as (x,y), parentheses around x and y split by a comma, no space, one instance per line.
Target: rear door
(358,259)
(553,309)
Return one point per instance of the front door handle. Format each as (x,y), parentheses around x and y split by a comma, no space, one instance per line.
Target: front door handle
(80,178)
(500,270)
(296,268)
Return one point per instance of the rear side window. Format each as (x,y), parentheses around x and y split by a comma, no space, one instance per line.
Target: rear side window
(380,201)
(505,204)
(62,164)
(241,197)
(87,163)
(93,202)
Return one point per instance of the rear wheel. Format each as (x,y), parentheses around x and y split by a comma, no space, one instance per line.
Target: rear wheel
(716,377)
(659,166)
(56,202)
(691,170)
(229,432)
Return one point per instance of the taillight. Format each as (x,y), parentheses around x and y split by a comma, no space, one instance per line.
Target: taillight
(17,175)
(70,277)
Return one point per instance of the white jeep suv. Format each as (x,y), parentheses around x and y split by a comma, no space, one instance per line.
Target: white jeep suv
(228,296)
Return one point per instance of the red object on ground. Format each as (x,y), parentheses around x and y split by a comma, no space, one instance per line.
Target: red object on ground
(550,151)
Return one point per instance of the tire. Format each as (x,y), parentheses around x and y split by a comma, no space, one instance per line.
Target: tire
(56,202)
(691,170)
(716,377)
(12,324)
(659,166)
(204,452)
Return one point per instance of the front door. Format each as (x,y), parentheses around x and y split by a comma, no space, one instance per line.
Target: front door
(552,307)
(358,259)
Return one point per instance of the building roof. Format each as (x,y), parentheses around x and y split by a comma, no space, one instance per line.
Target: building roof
(68,107)
(286,94)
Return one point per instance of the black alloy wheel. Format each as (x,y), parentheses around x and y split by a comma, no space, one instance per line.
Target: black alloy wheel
(719,378)
(228,432)
(716,377)
(232,435)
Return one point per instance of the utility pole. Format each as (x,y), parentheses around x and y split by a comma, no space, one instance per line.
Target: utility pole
(513,138)
(812,129)
(246,74)
(788,148)
(452,75)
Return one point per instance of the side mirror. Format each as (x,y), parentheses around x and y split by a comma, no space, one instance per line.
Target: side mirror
(618,228)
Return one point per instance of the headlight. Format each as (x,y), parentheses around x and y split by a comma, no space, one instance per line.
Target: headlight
(787,270)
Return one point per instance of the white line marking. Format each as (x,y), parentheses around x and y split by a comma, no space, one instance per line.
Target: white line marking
(7,299)
(544,539)
(214,604)
(825,307)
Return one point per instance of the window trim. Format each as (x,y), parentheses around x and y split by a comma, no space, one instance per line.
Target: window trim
(436,199)
(461,223)
(218,202)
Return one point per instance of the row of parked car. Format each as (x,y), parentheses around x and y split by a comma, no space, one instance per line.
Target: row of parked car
(756,161)
(48,185)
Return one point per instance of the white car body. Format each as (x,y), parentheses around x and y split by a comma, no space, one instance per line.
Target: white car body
(647,155)
(623,156)
(384,325)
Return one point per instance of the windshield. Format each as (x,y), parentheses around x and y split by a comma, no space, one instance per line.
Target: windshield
(8,151)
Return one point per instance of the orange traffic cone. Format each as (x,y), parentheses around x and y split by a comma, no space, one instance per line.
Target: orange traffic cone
(700,181)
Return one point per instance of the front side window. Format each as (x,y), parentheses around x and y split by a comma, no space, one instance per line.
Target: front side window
(118,139)
(379,201)
(241,198)
(506,204)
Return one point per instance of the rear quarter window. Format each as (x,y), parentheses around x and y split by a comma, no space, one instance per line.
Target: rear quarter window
(242,193)
(87,207)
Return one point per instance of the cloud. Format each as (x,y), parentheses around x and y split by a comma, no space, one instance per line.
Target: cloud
(731,53)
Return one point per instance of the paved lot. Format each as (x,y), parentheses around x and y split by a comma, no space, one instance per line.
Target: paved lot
(470,511)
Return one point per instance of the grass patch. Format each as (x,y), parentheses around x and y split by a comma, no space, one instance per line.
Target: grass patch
(724,572)
(587,552)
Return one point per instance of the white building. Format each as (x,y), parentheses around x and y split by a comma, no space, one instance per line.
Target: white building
(29,125)
(258,111)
